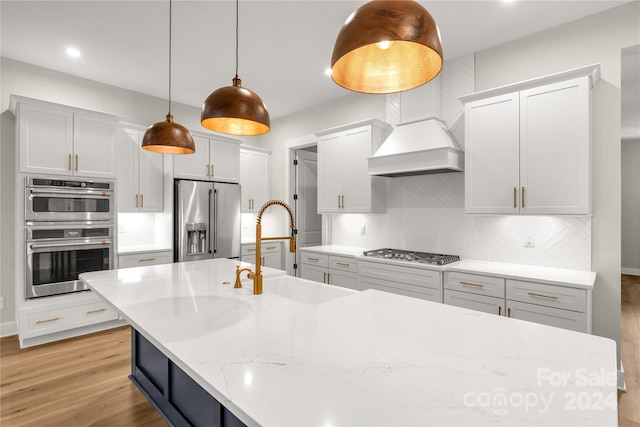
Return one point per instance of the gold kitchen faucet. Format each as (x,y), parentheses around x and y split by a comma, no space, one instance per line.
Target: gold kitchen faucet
(256,276)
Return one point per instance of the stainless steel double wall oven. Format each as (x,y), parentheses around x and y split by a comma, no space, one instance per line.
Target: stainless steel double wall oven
(69,230)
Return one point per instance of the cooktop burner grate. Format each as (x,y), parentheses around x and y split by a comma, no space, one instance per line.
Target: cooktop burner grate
(400,255)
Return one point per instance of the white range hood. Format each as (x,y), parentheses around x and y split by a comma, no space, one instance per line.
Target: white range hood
(417,148)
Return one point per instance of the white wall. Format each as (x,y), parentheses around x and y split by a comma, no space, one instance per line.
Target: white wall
(631,206)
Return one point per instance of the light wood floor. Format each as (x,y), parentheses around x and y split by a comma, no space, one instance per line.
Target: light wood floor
(629,402)
(83,381)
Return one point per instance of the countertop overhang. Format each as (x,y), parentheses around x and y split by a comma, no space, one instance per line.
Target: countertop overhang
(309,354)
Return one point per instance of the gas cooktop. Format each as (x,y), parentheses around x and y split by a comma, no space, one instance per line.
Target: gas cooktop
(400,255)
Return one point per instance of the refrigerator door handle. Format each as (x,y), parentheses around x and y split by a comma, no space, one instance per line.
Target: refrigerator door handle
(210,231)
(215,221)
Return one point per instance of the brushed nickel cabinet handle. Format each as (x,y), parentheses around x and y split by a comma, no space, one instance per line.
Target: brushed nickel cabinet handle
(344,264)
(137,198)
(313,259)
(343,201)
(522,197)
(499,310)
(472,284)
(207,169)
(142,200)
(77,157)
(96,311)
(212,170)
(69,161)
(53,319)
(515,197)
(270,247)
(146,259)
(339,202)
(534,294)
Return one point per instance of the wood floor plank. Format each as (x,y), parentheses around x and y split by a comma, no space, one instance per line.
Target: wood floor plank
(82,381)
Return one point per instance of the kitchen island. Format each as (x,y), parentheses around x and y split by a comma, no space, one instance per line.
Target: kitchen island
(309,354)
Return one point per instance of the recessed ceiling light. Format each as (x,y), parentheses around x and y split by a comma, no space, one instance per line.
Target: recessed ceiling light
(327,72)
(73,52)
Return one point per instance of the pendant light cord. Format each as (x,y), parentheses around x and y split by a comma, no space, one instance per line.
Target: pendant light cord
(237,20)
(170,4)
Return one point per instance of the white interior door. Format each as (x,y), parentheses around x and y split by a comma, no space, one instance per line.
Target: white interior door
(308,221)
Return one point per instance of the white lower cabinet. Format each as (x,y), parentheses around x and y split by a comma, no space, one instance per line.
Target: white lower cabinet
(563,307)
(141,259)
(410,281)
(491,305)
(53,318)
(553,305)
(474,291)
(330,269)
(270,254)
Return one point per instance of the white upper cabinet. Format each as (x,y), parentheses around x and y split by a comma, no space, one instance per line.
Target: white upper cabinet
(343,183)
(216,159)
(59,140)
(254,179)
(140,174)
(528,146)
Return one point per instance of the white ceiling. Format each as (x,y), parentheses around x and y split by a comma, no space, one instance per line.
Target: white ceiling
(285,46)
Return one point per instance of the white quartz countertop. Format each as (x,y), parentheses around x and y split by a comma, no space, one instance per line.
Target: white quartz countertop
(309,354)
(553,276)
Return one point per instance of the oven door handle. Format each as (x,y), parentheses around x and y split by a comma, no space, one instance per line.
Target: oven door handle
(101,244)
(62,193)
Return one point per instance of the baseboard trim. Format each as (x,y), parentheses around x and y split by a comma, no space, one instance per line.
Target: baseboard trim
(7,329)
(622,386)
(631,271)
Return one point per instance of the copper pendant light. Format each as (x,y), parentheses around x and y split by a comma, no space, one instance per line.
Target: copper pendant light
(234,109)
(168,137)
(387,46)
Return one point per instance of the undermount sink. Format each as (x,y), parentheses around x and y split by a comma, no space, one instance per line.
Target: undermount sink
(302,290)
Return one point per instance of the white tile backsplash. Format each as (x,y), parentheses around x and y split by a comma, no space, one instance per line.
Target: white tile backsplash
(151,230)
(426,213)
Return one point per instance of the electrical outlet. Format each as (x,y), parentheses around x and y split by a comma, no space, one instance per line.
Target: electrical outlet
(363,230)
(529,241)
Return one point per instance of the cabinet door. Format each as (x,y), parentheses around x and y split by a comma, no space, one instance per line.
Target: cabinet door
(492,155)
(555,147)
(259,180)
(127,154)
(486,304)
(151,181)
(312,272)
(344,280)
(329,173)
(356,184)
(46,140)
(272,260)
(94,141)
(224,161)
(245,180)
(559,318)
(193,166)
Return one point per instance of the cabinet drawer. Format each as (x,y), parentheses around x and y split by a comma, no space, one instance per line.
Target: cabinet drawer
(406,289)
(474,283)
(547,295)
(60,319)
(312,258)
(393,273)
(549,316)
(146,258)
(486,304)
(343,263)
(264,248)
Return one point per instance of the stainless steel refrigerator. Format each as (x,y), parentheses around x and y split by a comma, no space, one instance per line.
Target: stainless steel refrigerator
(206,220)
